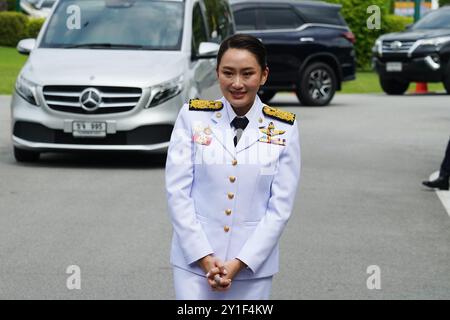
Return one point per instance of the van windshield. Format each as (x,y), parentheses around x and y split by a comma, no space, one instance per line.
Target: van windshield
(115,24)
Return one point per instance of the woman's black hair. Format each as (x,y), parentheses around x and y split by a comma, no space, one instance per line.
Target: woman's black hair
(245,42)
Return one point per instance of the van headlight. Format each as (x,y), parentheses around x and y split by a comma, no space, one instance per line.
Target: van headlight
(26,89)
(165,91)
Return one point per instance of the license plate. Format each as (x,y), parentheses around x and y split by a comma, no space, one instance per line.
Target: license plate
(89,129)
(394,66)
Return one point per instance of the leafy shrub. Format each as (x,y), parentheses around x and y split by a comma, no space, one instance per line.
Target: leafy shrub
(355,13)
(33,27)
(396,23)
(13,27)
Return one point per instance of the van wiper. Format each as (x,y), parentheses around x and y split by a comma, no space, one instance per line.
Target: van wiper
(104,45)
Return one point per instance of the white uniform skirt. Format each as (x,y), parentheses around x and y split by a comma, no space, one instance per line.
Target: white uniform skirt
(191,286)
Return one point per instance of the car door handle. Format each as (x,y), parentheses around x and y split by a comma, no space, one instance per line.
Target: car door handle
(307,39)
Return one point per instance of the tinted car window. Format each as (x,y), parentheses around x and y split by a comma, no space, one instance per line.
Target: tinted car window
(219,20)
(278,18)
(198,28)
(322,15)
(245,19)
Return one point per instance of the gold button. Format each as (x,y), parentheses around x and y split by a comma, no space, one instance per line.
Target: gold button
(260,120)
(218,115)
(228,212)
(226,228)
(232,179)
(230,195)
(234,162)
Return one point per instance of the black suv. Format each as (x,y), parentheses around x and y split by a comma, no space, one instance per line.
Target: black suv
(419,54)
(310,47)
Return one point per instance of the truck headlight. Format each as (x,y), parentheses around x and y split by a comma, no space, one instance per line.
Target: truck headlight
(434,41)
(165,91)
(378,47)
(26,89)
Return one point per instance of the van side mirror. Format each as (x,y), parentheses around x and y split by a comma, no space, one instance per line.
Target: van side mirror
(25,46)
(207,50)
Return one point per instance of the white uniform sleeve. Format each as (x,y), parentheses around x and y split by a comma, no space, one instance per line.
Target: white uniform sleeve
(283,191)
(179,178)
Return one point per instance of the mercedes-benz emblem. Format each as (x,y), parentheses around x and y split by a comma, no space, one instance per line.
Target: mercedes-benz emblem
(90,99)
(396,45)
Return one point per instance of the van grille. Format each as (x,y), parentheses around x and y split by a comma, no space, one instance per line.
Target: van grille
(113,99)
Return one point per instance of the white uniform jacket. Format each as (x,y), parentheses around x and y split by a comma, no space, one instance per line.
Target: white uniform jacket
(233,202)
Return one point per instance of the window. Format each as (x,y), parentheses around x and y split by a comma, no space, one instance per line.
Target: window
(322,15)
(198,28)
(280,18)
(245,19)
(219,20)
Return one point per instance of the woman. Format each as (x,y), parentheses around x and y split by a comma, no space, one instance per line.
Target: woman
(231,177)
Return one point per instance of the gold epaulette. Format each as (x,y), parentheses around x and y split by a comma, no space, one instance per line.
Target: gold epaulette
(205,105)
(278,114)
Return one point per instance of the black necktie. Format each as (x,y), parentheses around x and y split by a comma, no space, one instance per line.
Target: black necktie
(239,124)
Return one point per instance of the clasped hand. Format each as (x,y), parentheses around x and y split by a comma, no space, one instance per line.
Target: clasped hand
(220,274)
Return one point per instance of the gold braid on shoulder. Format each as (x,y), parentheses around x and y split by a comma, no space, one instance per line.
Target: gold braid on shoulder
(278,114)
(205,105)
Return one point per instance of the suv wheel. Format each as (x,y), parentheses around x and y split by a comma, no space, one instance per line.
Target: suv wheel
(392,86)
(266,95)
(25,155)
(317,85)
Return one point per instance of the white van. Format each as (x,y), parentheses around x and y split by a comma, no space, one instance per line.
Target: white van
(113,74)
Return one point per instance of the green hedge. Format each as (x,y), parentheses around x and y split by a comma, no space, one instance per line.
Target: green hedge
(34,26)
(444,2)
(396,23)
(355,13)
(15,26)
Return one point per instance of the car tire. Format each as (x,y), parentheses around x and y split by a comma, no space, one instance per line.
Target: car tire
(393,86)
(22,155)
(317,85)
(266,95)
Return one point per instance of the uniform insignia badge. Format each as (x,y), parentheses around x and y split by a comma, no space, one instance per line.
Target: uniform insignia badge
(202,135)
(205,105)
(272,140)
(278,114)
(270,132)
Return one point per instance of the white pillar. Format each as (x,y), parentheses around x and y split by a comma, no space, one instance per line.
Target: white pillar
(434,4)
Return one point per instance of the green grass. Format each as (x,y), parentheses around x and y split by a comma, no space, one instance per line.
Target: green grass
(10,64)
(366,82)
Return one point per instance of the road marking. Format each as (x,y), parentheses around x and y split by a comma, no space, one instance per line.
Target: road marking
(443,195)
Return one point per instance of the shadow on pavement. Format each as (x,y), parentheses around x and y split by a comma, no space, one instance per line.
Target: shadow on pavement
(96,159)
